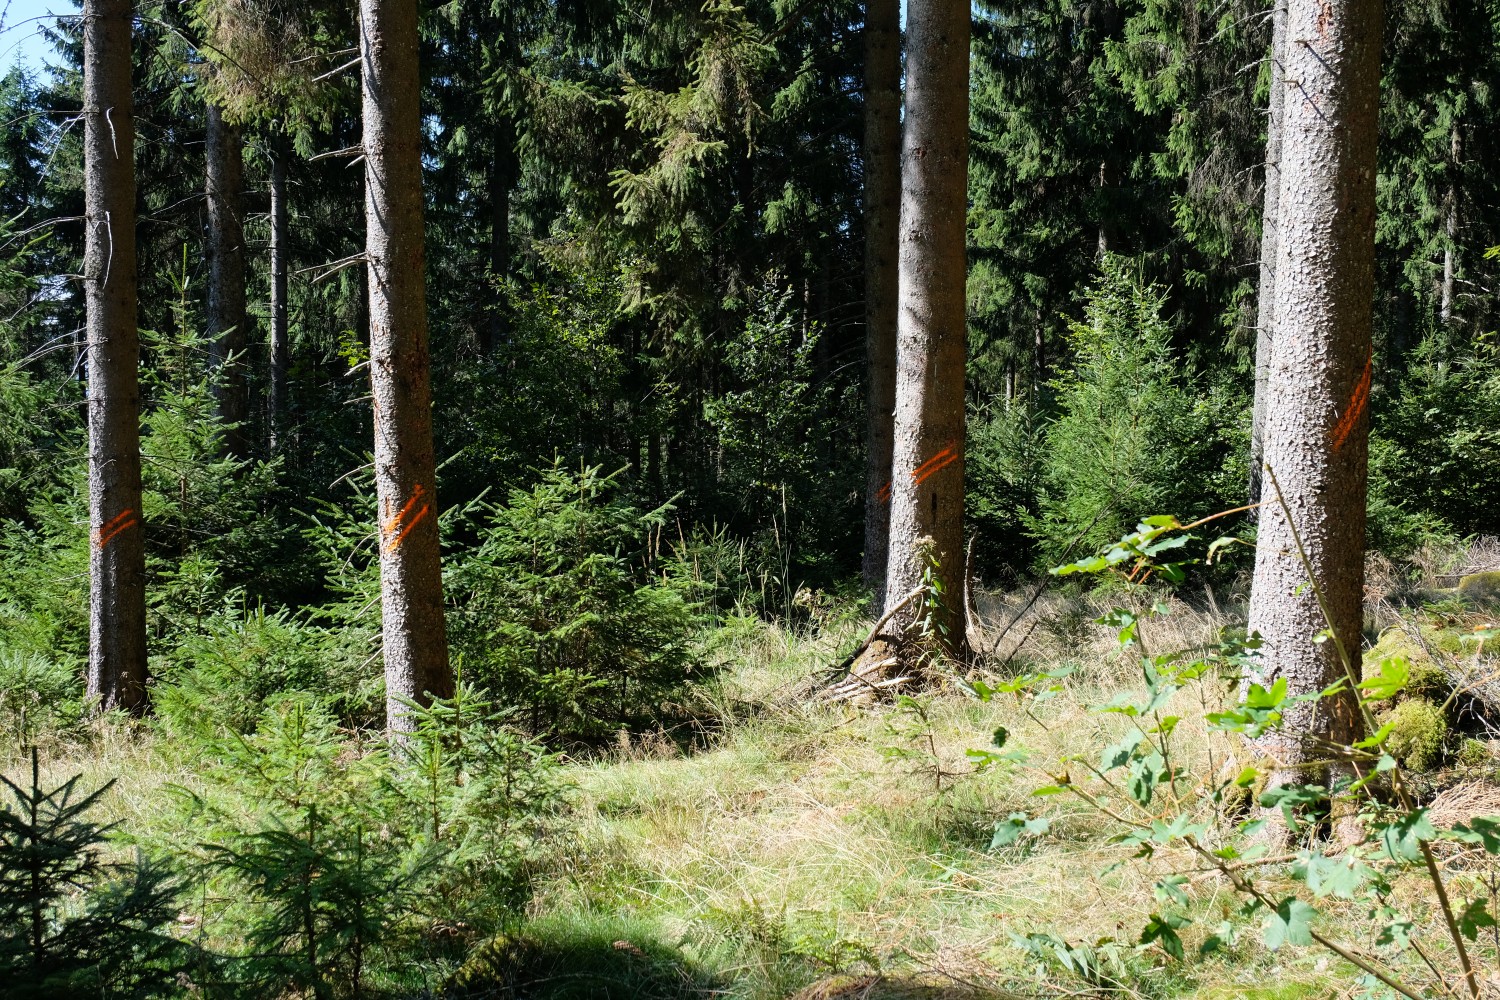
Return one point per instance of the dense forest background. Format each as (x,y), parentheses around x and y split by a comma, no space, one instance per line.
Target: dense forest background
(645,255)
(646,276)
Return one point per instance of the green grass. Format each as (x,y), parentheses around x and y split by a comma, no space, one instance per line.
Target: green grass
(812,851)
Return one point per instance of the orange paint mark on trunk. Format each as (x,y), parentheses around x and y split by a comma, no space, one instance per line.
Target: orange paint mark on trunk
(883,495)
(400,521)
(112,528)
(936,463)
(1356,407)
(396,518)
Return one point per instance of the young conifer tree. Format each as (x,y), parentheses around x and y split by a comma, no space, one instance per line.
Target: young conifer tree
(1317,412)
(411,581)
(927,479)
(117,557)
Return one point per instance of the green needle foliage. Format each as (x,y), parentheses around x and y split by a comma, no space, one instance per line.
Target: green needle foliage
(72,924)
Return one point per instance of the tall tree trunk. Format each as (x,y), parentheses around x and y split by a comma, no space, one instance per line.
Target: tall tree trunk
(1450,231)
(882,217)
(1265,319)
(502,176)
(1317,413)
(411,581)
(227,320)
(927,483)
(117,554)
(280,346)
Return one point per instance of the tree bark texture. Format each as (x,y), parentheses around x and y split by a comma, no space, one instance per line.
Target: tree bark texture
(882,220)
(411,583)
(280,346)
(1265,319)
(927,480)
(117,560)
(1317,413)
(1450,232)
(227,318)
(502,178)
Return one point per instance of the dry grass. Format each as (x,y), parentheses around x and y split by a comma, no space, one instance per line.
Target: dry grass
(799,847)
(823,851)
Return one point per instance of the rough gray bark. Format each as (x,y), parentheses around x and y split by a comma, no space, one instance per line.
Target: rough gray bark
(227,320)
(927,481)
(411,582)
(1265,319)
(117,560)
(882,152)
(279,257)
(502,176)
(1317,413)
(1450,230)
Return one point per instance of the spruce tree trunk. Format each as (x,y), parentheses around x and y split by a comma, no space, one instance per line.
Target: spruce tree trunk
(1265,318)
(882,217)
(411,582)
(1317,412)
(280,346)
(501,179)
(1450,231)
(927,482)
(227,320)
(117,554)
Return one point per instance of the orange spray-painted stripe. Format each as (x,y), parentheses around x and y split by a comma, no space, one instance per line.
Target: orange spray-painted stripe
(884,493)
(1356,407)
(395,543)
(934,465)
(921,470)
(111,529)
(396,519)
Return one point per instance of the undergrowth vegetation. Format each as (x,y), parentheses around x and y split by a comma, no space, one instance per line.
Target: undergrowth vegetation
(1077,814)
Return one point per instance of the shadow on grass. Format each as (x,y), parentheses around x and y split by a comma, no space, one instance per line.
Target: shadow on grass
(595,961)
(613,959)
(889,988)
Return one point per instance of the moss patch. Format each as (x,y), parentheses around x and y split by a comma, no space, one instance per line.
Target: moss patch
(1480,588)
(1418,733)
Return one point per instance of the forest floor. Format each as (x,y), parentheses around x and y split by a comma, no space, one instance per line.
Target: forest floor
(816,851)
(781,847)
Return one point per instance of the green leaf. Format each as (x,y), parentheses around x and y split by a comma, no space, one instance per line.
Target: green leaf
(1377,739)
(1396,934)
(1474,918)
(1289,923)
(1015,826)
(1403,838)
(1163,930)
(1001,735)
(1169,890)
(1118,754)
(1482,830)
(1342,877)
(1388,681)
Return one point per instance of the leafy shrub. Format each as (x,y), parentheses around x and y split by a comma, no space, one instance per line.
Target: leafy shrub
(1136,429)
(563,611)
